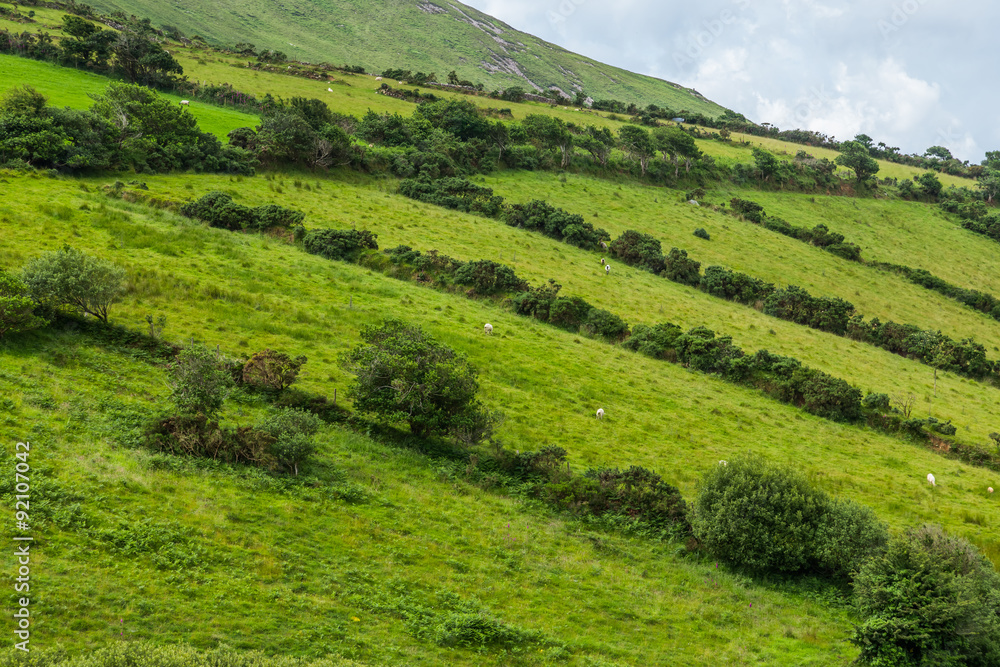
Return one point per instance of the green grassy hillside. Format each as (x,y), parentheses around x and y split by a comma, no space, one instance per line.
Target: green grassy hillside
(428,37)
(387,543)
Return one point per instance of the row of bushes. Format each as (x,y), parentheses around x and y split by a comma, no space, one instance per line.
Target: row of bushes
(819,236)
(219,210)
(462,195)
(981,301)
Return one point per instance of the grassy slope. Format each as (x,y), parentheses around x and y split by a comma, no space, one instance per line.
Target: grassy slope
(65,86)
(275,561)
(380,35)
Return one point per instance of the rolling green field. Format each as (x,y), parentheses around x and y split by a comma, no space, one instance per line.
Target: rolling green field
(68,87)
(382,538)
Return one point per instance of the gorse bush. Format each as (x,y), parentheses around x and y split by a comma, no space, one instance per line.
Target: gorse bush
(541,216)
(637,249)
(486,277)
(768,518)
(219,210)
(454,193)
(930,599)
(340,244)
(268,369)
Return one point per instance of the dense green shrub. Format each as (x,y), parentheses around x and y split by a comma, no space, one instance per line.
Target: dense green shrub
(680,269)
(537,301)
(606,324)
(402,374)
(292,431)
(340,244)
(454,193)
(847,536)
(541,216)
(930,599)
(638,249)
(219,210)
(755,514)
(657,341)
(272,370)
(702,234)
(487,277)
(749,210)
(735,286)
(16,306)
(797,305)
(199,382)
(569,312)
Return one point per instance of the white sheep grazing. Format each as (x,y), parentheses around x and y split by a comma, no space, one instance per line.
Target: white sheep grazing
(604,245)
(488,329)
(329,90)
(185,102)
(607,269)
(600,413)
(378,78)
(402,83)
(603,262)
(990,489)
(930,478)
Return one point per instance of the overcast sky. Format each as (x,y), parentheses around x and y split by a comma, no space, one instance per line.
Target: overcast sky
(911,73)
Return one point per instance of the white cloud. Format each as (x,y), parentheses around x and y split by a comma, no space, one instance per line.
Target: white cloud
(824,65)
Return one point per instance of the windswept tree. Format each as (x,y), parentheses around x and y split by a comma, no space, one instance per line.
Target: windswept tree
(598,141)
(854,155)
(674,143)
(988,179)
(637,144)
(139,59)
(404,375)
(550,132)
(70,277)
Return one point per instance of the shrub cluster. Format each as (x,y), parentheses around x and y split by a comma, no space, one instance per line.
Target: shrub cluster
(769,518)
(488,278)
(929,599)
(797,305)
(219,210)
(934,348)
(454,193)
(542,217)
(340,244)
(638,249)
(573,313)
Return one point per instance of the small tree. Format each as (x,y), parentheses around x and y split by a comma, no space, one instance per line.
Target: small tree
(293,432)
(855,156)
(22,100)
(273,370)
(199,381)
(70,277)
(405,375)
(637,143)
(16,306)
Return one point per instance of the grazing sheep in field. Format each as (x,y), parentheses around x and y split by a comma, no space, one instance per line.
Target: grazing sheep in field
(329,90)
(930,478)
(990,489)
(185,103)
(603,262)
(488,329)
(378,78)
(604,245)
(607,269)
(600,413)
(402,83)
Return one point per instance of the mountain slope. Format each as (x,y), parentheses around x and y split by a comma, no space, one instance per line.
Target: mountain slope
(411,34)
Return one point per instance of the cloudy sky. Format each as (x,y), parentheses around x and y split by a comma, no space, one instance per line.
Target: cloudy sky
(911,73)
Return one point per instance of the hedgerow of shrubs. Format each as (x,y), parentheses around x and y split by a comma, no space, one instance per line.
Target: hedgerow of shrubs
(219,210)
(819,236)
(768,518)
